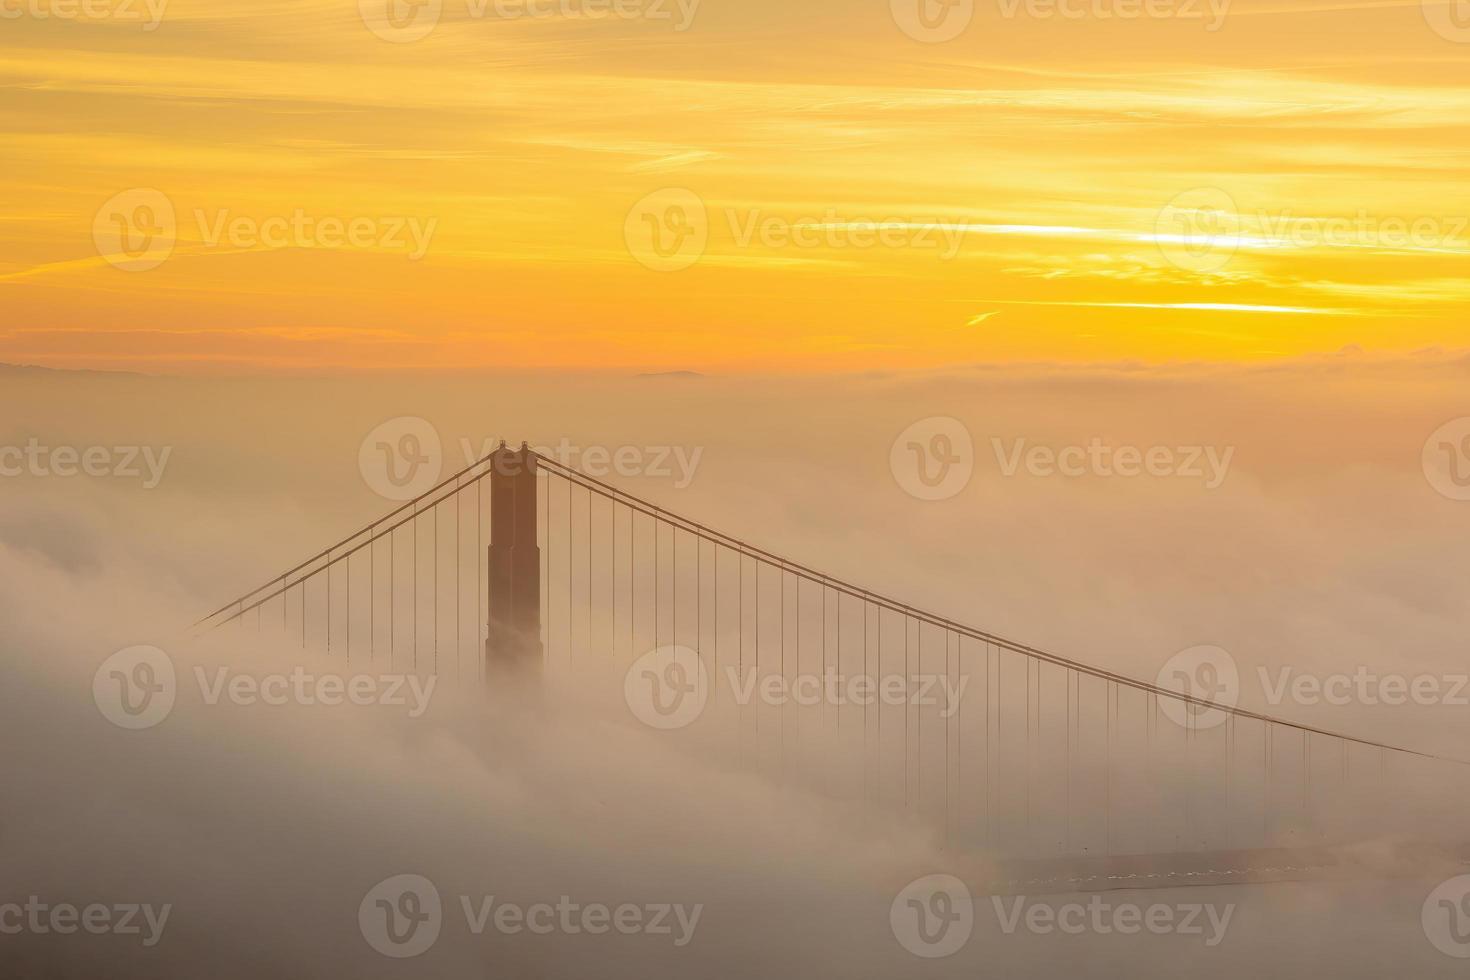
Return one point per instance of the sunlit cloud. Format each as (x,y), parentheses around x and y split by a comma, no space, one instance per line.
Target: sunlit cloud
(528,140)
(1208,307)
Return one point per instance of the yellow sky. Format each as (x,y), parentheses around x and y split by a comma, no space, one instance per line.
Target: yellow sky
(776,186)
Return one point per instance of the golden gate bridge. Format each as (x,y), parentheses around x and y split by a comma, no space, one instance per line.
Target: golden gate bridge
(518,564)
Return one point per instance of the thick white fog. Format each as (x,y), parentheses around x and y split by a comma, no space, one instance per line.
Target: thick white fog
(1323,548)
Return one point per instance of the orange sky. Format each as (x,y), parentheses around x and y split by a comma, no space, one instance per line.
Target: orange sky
(325,188)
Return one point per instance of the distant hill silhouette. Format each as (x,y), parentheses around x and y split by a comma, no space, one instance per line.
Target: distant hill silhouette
(36,369)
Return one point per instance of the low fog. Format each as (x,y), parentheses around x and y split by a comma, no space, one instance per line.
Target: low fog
(1324,548)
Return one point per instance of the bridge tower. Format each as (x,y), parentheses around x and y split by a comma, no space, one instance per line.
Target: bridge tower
(514,580)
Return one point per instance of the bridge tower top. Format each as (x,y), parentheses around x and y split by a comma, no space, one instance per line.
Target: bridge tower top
(514,581)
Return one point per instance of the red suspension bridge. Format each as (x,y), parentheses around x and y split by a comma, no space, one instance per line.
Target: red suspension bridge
(521,564)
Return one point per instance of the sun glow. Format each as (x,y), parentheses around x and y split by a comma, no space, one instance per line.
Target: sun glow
(855,194)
